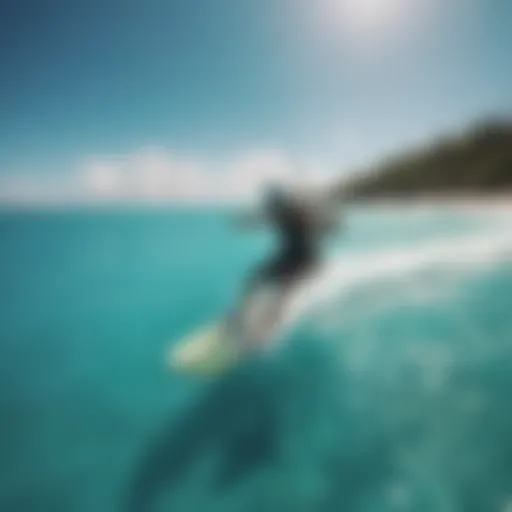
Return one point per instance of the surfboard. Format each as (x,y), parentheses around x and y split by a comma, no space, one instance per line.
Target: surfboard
(220,345)
(209,351)
(217,347)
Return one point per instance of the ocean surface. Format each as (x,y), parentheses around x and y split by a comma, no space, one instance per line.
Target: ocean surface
(392,392)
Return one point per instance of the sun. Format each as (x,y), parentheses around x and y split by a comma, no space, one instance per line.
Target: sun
(369,16)
(371,23)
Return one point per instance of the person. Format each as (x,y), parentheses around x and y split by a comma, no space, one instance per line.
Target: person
(301,227)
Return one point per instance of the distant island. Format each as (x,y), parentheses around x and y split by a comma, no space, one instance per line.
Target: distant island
(476,162)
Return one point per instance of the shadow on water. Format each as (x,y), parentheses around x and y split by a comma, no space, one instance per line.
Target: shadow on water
(248,417)
(236,414)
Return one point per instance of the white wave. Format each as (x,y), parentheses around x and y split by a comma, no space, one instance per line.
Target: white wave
(346,274)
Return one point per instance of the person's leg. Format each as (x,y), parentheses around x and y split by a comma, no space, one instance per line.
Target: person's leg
(262,276)
(280,276)
(284,276)
(277,306)
(290,274)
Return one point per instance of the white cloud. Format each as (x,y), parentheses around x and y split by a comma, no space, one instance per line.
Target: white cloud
(149,173)
(155,174)
(247,173)
(102,177)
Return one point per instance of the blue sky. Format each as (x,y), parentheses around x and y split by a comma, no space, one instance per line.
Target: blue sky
(119,96)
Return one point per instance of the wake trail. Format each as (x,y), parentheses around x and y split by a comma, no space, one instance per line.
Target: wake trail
(347,273)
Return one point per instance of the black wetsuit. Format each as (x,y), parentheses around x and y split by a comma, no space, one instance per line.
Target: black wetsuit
(299,232)
(298,249)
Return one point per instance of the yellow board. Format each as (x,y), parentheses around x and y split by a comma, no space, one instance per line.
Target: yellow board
(208,352)
(215,349)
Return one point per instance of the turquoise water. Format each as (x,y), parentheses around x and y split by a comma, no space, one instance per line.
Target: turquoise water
(392,394)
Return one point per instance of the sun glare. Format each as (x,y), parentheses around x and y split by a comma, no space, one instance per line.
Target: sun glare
(371,23)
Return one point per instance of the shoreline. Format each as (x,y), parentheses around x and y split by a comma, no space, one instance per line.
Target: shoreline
(502,202)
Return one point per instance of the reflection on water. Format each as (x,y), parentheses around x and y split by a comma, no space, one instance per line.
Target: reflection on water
(275,425)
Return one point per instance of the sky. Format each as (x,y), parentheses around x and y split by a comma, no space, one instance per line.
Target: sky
(195,99)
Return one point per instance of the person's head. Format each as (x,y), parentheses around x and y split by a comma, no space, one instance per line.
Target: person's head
(276,198)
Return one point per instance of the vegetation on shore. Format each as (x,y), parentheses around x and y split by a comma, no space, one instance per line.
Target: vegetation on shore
(476,162)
